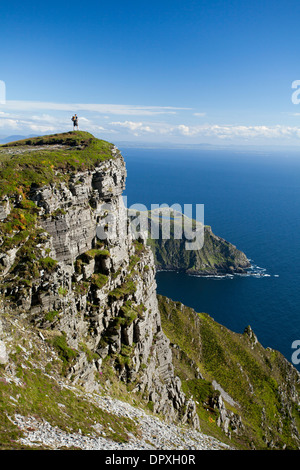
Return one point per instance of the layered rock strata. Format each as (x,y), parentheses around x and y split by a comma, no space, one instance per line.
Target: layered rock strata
(98,287)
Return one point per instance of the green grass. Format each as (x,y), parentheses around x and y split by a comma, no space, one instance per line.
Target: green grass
(66,354)
(49,264)
(51,315)
(89,255)
(253,376)
(126,289)
(18,225)
(95,253)
(32,163)
(216,255)
(37,162)
(99,280)
(40,395)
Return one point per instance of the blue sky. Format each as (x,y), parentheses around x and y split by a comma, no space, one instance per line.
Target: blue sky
(206,71)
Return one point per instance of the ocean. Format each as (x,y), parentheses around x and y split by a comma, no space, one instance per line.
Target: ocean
(252,199)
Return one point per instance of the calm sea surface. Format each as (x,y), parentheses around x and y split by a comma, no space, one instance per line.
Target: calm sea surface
(251,199)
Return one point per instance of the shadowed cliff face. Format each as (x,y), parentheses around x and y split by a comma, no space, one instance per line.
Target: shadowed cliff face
(183,244)
(99,293)
(217,256)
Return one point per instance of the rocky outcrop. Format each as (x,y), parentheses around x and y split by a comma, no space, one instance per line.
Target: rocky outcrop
(3,351)
(95,285)
(4,208)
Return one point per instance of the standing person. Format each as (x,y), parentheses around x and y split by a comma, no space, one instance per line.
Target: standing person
(75,121)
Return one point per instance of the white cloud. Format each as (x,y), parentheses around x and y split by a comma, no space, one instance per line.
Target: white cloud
(27,117)
(136,127)
(118,109)
(240,131)
(185,130)
(9,123)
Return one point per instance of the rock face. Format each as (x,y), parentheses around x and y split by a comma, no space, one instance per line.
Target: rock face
(95,285)
(3,351)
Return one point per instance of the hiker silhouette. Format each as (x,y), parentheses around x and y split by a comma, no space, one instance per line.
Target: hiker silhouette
(75,121)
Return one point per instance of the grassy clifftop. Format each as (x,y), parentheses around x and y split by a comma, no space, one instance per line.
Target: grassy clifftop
(43,160)
(33,163)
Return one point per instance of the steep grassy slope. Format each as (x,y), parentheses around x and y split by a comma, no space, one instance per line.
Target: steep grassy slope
(33,384)
(263,388)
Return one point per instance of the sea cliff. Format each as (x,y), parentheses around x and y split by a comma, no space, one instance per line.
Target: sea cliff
(79,309)
(97,295)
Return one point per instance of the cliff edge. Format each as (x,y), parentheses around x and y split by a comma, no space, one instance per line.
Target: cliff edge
(92,298)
